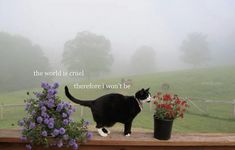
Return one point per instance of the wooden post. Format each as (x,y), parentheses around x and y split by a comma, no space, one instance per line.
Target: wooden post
(81,111)
(1,111)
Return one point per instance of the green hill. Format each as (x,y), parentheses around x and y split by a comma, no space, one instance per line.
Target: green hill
(216,83)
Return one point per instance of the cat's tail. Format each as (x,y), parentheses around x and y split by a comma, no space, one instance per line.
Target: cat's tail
(75,100)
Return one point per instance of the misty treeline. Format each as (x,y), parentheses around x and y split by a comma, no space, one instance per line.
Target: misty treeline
(90,52)
(93,53)
(19,57)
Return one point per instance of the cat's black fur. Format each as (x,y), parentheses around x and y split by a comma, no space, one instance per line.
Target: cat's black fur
(112,108)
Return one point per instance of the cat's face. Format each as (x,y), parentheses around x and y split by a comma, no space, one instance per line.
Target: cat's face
(143,95)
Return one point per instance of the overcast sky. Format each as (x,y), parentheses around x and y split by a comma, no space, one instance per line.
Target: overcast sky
(162,24)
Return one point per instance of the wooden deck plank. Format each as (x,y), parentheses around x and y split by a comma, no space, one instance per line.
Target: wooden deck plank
(141,140)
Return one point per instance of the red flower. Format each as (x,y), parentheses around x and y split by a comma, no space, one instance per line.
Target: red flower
(183,103)
(178,108)
(167,97)
(167,115)
(170,107)
(178,101)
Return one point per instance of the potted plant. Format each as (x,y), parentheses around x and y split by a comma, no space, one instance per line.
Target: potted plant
(168,108)
(48,121)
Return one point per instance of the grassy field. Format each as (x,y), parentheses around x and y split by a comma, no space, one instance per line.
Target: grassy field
(209,83)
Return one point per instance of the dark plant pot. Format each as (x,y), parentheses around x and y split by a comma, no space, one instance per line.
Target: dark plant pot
(162,128)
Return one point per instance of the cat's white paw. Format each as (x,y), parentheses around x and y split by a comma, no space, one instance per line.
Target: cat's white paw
(101,133)
(128,135)
(108,131)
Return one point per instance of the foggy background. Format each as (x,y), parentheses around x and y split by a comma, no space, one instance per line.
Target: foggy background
(160,25)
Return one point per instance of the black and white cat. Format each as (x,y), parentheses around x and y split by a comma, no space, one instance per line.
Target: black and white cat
(112,108)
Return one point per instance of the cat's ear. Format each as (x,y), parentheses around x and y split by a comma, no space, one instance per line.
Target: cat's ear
(147,89)
(141,91)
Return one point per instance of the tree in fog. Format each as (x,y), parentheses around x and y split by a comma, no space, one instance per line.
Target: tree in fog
(195,49)
(18,59)
(143,60)
(88,51)
(227,49)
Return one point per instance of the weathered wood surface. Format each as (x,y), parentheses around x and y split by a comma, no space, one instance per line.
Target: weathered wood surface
(9,139)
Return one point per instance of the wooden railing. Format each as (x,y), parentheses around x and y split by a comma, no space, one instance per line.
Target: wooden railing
(9,140)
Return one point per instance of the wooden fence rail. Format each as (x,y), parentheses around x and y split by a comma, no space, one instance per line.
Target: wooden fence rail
(206,101)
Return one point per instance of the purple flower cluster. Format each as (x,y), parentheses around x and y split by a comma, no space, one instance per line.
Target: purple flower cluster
(49,116)
(51,103)
(31,125)
(89,135)
(60,143)
(59,107)
(39,119)
(73,143)
(56,132)
(46,121)
(46,86)
(65,122)
(62,131)
(21,123)
(50,89)
(23,138)
(86,123)
(43,109)
(38,95)
(51,125)
(44,133)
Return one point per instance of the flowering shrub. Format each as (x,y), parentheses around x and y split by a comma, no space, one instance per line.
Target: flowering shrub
(170,107)
(48,121)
